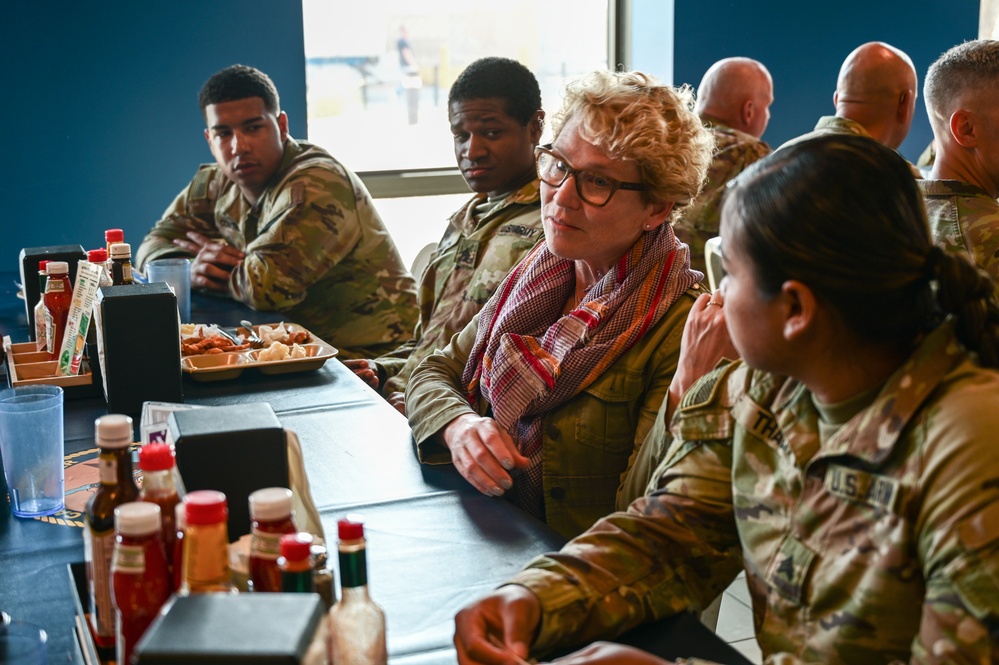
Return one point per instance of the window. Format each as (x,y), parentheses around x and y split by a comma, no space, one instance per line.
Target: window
(378,76)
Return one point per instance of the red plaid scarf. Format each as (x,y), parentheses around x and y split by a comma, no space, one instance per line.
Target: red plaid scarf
(528,357)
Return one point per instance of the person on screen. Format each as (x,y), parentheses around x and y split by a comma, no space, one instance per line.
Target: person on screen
(545,395)
(847,464)
(283,227)
(494,109)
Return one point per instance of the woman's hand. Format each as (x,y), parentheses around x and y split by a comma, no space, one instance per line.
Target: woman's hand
(499,629)
(705,341)
(214,261)
(613,654)
(483,453)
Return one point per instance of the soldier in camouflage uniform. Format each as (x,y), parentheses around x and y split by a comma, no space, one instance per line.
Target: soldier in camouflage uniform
(853,476)
(963,183)
(875,96)
(733,101)
(494,108)
(282,226)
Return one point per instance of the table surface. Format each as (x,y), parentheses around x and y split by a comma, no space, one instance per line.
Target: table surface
(434,543)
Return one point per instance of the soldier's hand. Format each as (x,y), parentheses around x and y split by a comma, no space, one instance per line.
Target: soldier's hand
(364,370)
(398,400)
(499,629)
(214,261)
(483,453)
(612,654)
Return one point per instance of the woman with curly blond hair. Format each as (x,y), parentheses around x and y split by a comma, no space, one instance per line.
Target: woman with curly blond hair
(545,396)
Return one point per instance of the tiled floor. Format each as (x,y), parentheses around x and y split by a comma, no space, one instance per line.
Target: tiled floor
(735,620)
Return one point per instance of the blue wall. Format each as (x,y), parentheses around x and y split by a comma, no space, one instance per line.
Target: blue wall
(101,126)
(803,44)
(100,118)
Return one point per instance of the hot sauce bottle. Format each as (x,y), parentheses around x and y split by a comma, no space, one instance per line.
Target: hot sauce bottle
(58,295)
(139,580)
(270,515)
(296,563)
(157,463)
(114,436)
(356,622)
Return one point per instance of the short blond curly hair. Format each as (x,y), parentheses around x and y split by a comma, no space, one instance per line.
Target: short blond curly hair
(633,116)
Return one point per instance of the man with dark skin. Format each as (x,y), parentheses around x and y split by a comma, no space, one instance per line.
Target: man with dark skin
(494,109)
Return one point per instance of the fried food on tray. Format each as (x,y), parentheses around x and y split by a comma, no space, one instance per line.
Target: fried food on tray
(199,343)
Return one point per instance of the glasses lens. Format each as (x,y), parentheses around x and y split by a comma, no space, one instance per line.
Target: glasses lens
(548,171)
(594,189)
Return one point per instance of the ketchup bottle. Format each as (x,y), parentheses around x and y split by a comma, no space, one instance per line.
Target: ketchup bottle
(140,583)
(270,515)
(58,295)
(157,463)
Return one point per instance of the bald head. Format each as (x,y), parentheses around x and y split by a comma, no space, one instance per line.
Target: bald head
(737,92)
(877,88)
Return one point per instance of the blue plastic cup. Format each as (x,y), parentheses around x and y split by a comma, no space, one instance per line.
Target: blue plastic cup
(177,274)
(31,445)
(23,643)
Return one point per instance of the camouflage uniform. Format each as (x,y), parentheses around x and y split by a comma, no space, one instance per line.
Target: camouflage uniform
(871,538)
(316,249)
(832,124)
(469,263)
(964,220)
(734,151)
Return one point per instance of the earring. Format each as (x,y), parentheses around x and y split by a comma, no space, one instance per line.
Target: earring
(648,227)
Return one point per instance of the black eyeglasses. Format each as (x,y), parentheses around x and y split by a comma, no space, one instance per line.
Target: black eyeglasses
(592,188)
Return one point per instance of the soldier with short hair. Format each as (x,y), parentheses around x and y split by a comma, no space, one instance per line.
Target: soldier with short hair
(875,96)
(494,108)
(962,100)
(282,226)
(733,101)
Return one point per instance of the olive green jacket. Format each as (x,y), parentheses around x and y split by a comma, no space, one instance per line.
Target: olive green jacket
(589,440)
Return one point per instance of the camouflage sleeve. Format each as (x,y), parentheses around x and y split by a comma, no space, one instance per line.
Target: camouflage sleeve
(192,210)
(981,224)
(673,550)
(435,395)
(958,532)
(392,363)
(312,224)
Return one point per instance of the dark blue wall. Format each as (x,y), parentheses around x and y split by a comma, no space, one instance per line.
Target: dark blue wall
(100,118)
(803,44)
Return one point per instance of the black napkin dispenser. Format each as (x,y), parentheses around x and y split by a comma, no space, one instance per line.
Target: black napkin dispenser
(29,259)
(235,449)
(213,628)
(139,345)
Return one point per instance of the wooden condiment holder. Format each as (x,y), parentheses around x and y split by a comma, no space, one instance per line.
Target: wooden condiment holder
(26,366)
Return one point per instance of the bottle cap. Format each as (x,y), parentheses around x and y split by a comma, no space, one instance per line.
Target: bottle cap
(57,268)
(351,527)
(114,235)
(121,250)
(43,265)
(137,518)
(270,503)
(296,546)
(99,255)
(156,457)
(206,507)
(114,431)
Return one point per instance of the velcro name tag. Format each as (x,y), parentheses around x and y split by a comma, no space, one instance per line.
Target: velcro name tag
(759,422)
(853,485)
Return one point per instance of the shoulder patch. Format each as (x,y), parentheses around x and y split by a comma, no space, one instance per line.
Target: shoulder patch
(298,193)
(705,388)
(199,186)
